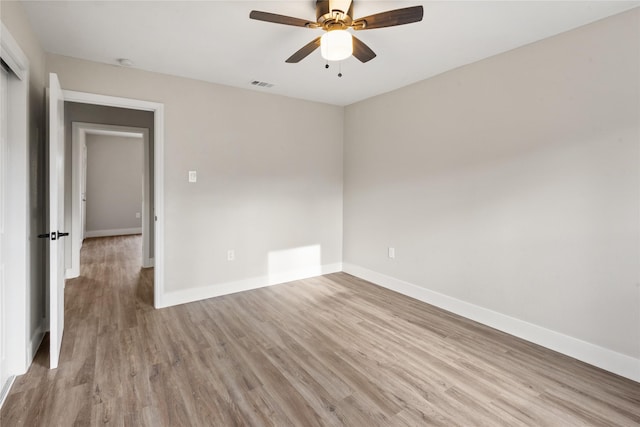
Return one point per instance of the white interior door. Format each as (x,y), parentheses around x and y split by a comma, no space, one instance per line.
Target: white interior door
(4,371)
(56,219)
(83,193)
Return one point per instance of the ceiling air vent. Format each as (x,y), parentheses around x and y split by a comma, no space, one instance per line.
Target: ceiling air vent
(261,84)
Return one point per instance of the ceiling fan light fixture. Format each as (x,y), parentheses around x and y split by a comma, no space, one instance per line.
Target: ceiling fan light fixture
(336,45)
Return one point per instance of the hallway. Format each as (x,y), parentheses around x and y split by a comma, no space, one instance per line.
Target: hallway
(105,308)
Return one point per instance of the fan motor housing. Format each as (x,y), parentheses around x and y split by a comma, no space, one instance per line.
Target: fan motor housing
(336,19)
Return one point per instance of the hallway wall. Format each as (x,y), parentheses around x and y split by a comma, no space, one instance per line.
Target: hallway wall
(115,169)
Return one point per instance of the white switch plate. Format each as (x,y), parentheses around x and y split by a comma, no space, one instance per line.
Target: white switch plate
(392,252)
(193,176)
(137,214)
(231,255)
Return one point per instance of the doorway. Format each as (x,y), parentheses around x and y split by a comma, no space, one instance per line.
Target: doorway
(156,176)
(81,133)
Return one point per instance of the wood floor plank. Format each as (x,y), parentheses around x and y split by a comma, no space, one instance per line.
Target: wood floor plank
(332,350)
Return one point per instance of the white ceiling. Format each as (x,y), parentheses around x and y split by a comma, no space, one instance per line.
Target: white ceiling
(215,41)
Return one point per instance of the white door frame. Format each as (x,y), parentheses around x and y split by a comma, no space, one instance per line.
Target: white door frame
(79,133)
(20,345)
(158,171)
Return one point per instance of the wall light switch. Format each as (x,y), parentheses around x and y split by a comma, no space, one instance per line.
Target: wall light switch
(137,214)
(193,176)
(392,252)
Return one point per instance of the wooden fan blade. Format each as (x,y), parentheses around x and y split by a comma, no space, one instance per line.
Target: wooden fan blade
(280,19)
(305,51)
(390,18)
(361,51)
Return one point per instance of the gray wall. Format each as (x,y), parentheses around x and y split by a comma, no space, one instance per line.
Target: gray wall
(512,184)
(114,182)
(268,180)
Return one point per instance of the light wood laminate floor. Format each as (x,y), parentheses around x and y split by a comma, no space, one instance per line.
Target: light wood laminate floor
(328,351)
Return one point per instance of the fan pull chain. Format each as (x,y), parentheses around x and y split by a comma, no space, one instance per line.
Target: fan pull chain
(339,67)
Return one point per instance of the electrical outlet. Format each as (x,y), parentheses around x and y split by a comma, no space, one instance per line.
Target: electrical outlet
(392,252)
(231,255)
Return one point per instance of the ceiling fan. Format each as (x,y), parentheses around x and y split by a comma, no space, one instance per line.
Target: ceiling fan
(335,17)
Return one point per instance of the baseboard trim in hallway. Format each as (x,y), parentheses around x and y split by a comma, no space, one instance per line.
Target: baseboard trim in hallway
(113,232)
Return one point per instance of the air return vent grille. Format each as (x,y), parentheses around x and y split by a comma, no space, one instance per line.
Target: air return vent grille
(261,84)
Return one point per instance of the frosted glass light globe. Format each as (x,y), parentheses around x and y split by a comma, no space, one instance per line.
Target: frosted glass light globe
(336,45)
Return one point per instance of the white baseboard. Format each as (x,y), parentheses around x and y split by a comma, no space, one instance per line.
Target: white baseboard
(601,357)
(72,273)
(201,293)
(5,389)
(113,232)
(32,349)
